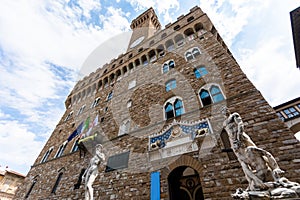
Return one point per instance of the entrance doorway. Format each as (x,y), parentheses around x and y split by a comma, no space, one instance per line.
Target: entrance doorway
(184,184)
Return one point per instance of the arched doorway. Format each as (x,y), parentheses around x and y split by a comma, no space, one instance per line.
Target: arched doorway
(184,184)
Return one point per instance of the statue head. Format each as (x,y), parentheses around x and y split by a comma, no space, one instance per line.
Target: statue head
(225,111)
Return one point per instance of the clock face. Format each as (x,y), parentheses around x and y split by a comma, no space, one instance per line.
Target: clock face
(137,41)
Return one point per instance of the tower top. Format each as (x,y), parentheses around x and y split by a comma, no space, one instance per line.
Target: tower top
(143,27)
(146,19)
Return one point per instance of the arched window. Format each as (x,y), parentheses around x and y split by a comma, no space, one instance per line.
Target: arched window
(200,71)
(179,40)
(61,149)
(165,68)
(178,107)
(196,52)
(81,110)
(169,111)
(188,56)
(160,51)
(205,97)
(46,155)
(69,116)
(57,182)
(170,85)
(192,53)
(211,95)
(216,94)
(30,189)
(170,45)
(168,65)
(96,102)
(173,108)
(109,96)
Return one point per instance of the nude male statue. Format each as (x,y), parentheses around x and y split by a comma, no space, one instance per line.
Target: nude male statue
(258,165)
(91,172)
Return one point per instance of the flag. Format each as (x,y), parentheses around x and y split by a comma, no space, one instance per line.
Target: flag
(95,122)
(86,124)
(76,132)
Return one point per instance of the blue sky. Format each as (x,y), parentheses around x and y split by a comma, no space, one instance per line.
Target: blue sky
(43,45)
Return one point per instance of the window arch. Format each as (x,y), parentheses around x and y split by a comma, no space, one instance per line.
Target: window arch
(192,53)
(205,97)
(46,155)
(160,50)
(170,85)
(179,40)
(169,45)
(168,65)
(56,183)
(69,116)
(173,108)
(81,110)
(109,96)
(216,94)
(200,71)
(96,102)
(210,94)
(61,149)
(31,187)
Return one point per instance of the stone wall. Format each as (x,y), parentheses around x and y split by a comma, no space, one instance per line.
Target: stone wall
(219,176)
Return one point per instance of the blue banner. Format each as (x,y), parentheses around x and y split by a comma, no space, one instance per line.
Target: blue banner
(155,186)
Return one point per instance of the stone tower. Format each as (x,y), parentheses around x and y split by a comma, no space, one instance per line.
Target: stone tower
(156,111)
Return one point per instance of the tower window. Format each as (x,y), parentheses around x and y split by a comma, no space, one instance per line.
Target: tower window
(168,65)
(69,116)
(210,95)
(171,84)
(131,84)
(179,40)
(170,45)
(205,97)
(173,108)
(192,54)
(200,71)
(96,102)
(81,110)
(216,94)
(109,96)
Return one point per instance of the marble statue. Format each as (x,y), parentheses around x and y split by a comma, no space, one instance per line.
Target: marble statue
(259,166)
(91,172)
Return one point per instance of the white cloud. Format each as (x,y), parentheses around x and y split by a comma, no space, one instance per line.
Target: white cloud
(162,7)
(34,36)
(231,16)
(18,146)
